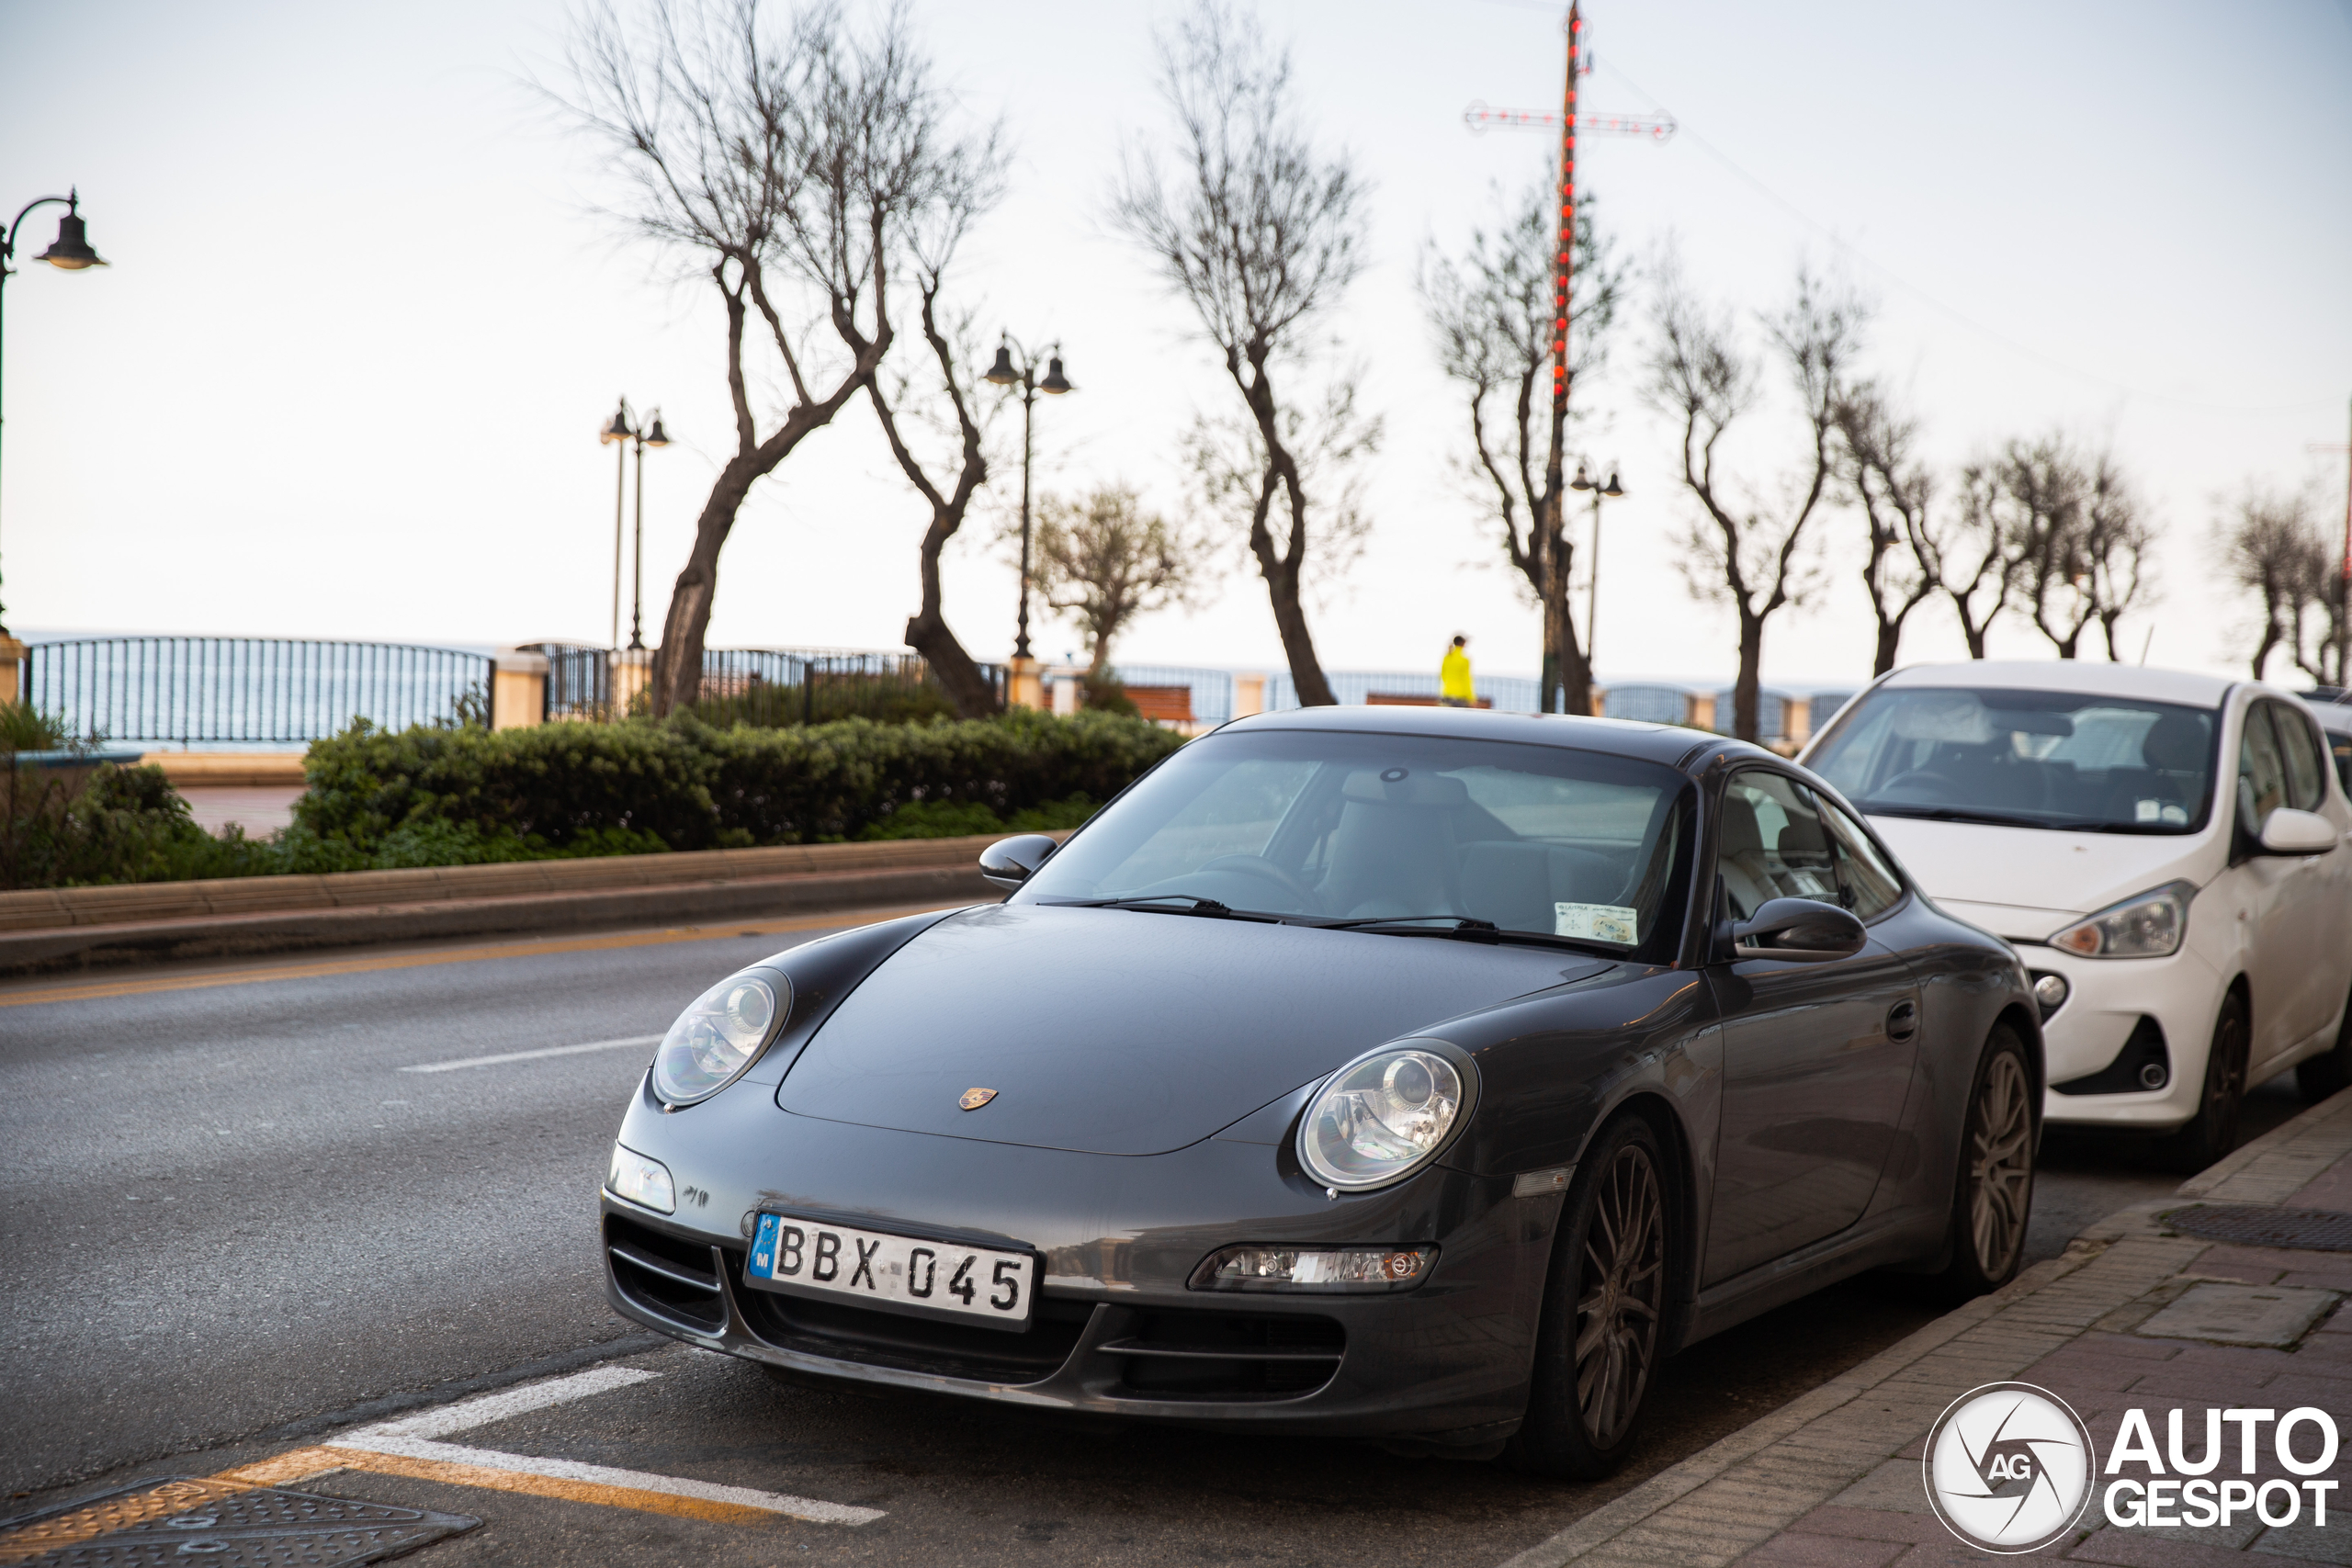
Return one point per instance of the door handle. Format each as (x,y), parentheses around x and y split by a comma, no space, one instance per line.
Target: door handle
(1902,1021)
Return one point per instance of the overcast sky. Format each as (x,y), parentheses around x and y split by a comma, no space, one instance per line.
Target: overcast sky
(345,376)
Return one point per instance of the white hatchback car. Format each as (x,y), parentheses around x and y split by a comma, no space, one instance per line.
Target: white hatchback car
(2184,939)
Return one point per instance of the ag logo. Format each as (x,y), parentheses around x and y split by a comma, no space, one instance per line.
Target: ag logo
(2009,1467)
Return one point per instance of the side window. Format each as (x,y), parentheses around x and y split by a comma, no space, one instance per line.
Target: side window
(2262,773)
(2341,744)
(1772,844)
(1871,887)
(2306,783)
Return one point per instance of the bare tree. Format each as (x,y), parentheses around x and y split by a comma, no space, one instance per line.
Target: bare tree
(1879,463)
(1973,556)
(787,168)
(2119,547)
(1103,561)
(2271,546)
(946,393)
(1492,309)
(1260,234)
(1744,551)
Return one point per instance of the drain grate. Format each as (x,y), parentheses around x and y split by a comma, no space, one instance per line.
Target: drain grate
(2254,1225)
(185,1523)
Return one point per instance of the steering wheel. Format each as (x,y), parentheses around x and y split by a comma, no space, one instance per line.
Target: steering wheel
(1916,776)
(1264,870)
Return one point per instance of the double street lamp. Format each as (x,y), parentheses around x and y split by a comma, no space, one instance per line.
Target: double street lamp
(1610,491)
(619,434)
(72,253)
(1005,373)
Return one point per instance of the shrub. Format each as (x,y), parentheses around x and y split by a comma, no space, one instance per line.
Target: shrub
(685,786)
(24,728)
(886,699)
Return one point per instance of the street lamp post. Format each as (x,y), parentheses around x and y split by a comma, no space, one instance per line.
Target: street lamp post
(617,434)
(656,437)
(1592,614)
(72,253)
(1004,373)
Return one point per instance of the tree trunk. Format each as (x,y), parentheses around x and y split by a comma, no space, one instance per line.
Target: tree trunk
(966,685)
(677,663)
(1281,568)
(1890,635)
(1749,687)
(1290,620)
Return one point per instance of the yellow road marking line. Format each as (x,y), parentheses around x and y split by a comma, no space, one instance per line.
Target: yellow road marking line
(44,1535)
(305,1464)
(96,990)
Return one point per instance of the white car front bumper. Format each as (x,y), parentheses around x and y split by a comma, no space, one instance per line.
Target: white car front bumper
(2106,998)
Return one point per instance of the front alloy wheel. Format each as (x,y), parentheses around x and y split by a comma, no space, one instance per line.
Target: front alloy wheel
(1603,1303)
(1994,1202)
(2213,1131)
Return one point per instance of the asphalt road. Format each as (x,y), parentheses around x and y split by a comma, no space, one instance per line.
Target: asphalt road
(233,1218)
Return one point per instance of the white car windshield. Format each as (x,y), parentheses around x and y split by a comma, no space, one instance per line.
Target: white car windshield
(2029,759)
(1320,828)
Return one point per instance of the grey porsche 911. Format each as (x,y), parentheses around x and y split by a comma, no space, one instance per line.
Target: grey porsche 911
(1420,1075)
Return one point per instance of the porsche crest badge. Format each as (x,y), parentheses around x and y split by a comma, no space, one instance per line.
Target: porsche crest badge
(973,1098)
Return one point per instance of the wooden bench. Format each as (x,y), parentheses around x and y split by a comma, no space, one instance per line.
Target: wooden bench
(1411,700)
(1163,705)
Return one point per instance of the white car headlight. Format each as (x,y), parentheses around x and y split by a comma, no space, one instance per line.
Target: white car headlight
(2146,925)
(1381,1116)
(722,1034)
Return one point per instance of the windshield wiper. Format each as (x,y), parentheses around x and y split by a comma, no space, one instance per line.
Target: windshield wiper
(1186,904)
(1954,814)
(1466,928)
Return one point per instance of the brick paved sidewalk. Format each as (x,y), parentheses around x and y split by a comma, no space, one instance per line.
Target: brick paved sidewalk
(1834,1477)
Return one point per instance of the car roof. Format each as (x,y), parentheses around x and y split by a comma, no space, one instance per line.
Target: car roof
(1670,744)
(2090,677)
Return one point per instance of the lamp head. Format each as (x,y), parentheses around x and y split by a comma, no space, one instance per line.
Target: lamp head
(1611,489)
(1581,481)
(1002,373)
(618,430)
(657,436)
(1055,380)
(72,253)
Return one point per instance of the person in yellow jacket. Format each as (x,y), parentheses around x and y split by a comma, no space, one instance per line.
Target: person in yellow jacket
(1454,687)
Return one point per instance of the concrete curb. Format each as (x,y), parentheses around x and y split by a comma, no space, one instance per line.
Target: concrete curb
(1756,1494)
(78,927)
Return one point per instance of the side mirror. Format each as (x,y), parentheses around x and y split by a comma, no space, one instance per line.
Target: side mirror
(1799,931)
(2292,833)
(1009,863)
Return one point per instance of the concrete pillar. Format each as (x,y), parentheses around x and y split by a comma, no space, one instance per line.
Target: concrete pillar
(1702,711)
(1023,689)
(518,690)
(12,670)
(1249,695)
(1796,718)
(632,673)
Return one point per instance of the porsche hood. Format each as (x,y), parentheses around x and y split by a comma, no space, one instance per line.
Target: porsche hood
(1123,1031)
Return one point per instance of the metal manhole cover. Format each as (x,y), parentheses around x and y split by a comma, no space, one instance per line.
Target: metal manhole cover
(188,1523)
(2255,1224)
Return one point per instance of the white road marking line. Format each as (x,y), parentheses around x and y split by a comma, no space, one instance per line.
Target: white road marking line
(412,1437)
(596,1474)
(482,1409)
(451,1066)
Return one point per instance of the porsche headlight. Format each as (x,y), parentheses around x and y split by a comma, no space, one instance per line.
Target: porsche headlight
(1380,1116)
(720,1035)
(2148,925)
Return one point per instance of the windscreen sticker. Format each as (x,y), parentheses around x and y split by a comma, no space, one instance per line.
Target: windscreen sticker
(1595,922)
(2162,811)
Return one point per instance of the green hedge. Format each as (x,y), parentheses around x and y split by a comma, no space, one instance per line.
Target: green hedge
(682,784)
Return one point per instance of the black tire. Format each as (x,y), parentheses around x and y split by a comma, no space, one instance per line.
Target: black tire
(1991,1202)
(2213,1131)
(2330,1074)
(1606,1291)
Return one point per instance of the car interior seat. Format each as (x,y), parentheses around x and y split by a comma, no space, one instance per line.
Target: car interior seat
(1748,875)
(1516,883)
(1394,850)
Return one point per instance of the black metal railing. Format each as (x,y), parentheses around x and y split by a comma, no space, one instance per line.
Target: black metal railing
(762,686)
(250,688)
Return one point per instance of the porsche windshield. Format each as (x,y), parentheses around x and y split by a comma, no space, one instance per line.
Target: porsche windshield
(2024,759)
(1340,827)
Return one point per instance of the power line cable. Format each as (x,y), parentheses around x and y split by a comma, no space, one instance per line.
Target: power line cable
(1962,318)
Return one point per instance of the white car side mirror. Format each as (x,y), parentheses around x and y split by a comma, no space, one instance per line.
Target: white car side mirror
(2292,833)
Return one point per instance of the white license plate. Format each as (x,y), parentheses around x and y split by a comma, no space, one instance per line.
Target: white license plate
(811,1257)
